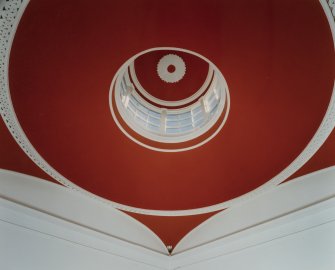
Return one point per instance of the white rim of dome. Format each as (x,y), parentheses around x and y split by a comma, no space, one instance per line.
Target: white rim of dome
(11,12)
(179,68)
(166,103)
(161,132)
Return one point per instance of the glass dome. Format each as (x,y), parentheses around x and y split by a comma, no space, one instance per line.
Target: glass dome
(165,122)
(169,125)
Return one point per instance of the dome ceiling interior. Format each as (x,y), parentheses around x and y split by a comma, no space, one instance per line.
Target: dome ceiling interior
(276,56)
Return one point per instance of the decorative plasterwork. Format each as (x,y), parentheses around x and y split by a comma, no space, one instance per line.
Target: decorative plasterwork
(163,68)
(10,14)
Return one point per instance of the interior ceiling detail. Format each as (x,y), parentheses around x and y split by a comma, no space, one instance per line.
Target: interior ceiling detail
(253,138)
(55,85)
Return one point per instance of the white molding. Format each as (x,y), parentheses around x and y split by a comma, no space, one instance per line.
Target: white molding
(11,17)
(70,206)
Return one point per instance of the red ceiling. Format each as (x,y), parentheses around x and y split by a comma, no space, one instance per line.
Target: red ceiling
(277,57)
(13,158)
(194,78)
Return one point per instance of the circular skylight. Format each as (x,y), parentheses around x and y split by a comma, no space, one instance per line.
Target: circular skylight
(169,128)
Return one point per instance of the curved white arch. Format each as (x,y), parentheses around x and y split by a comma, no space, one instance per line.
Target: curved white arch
(11,14)
(69,205)
(294,195)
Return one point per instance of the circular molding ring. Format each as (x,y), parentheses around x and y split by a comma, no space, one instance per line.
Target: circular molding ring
(11,12)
